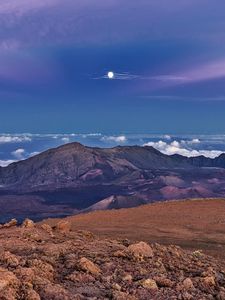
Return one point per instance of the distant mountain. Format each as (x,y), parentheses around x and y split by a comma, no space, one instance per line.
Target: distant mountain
(74,177)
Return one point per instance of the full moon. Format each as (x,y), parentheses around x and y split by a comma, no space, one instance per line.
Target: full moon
(110,75)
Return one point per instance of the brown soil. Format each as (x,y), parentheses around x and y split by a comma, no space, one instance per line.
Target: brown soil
(192,224)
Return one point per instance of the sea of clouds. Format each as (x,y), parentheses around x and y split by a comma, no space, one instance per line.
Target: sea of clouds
(15,147)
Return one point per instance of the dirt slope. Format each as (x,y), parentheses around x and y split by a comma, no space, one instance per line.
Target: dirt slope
(192,224)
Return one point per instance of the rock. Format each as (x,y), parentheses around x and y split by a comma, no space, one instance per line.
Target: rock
(41,268)
(188,284)
(27,223)
(149,284)
(54,292)
(209,281)
(11,223)
(117,295)
(197,253)
(127,277)
(116,287)
(30,293)
(164,282)
(187,296)
(120,253)
(63,226)
(80,278)
(25,275)
(86,234)
(7,279)
(47,228)
(88,266)
(9,259)
(140,250)
(9,294)
(220,295)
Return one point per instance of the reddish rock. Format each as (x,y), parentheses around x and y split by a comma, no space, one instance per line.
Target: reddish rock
(7,279)
(188,284)
(88,266)
(9,259)
(149,284)
(63,226)
(164,282)
(11,223)
(27,223)
(140,250)
(47,228)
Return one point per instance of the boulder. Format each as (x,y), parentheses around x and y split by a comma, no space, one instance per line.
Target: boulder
(11,223)
(140,250)
(88,266)
(188,284)
(149,284)
(27,223)
(7,279)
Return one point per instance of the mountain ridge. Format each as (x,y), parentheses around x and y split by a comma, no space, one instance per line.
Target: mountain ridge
(74,177)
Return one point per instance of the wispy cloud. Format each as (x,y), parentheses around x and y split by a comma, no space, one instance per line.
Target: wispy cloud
(184,98)
(208,71)
(129,76)
(120,76)
(115,139)
(4,139)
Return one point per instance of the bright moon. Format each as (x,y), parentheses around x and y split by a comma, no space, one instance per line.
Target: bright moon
(110,75)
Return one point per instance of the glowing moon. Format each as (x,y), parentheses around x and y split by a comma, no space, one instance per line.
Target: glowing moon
(110,75)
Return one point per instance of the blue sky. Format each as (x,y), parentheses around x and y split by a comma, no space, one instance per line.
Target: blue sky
(167,56)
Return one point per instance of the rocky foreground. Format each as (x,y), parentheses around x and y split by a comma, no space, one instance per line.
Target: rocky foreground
(41,262)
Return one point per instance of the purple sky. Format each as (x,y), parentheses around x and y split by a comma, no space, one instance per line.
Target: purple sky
(52,51)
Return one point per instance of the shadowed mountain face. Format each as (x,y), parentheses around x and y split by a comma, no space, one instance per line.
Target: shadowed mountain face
(73,178)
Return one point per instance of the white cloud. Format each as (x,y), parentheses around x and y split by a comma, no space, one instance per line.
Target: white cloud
(115,139)
(19,153)
(192,142)
(176,147)
(65,140)
(167,137)
(34,153)
(4,139)
(5,163)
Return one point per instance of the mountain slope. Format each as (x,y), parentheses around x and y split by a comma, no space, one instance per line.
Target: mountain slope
(74,162)
(73,178)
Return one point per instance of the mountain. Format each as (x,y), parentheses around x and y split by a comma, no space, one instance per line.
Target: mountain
(73,178)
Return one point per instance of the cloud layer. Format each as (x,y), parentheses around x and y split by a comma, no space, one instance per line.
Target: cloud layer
(182,148)
(18,147)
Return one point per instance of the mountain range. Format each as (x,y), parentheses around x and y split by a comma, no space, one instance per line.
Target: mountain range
(74,178)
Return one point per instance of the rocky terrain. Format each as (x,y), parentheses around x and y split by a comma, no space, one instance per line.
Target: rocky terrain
(38,261)
(73,178)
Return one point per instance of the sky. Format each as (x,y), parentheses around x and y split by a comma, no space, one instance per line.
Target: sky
(168,59)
